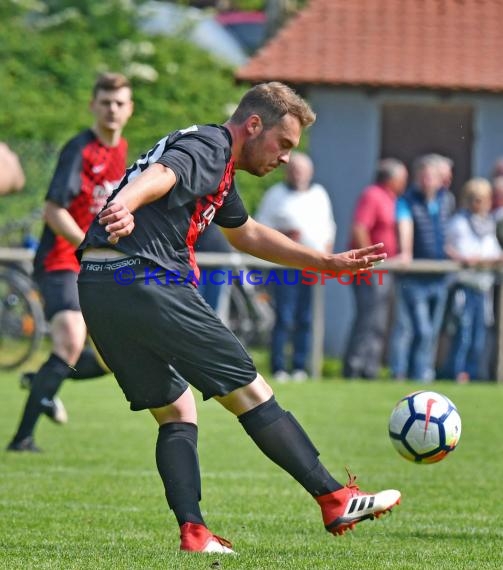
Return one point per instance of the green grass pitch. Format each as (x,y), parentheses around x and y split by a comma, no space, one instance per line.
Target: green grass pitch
(93,499)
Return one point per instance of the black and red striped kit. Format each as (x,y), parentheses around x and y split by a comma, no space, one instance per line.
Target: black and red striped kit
(156,335)
(86,174)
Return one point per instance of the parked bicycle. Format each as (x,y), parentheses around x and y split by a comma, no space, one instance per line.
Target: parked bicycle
(22,322)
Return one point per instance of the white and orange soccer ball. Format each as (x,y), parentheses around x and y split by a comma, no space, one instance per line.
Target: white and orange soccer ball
(425,427)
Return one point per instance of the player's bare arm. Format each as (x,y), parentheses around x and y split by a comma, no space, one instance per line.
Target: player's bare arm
(266,243)
(152,184)
(62,223)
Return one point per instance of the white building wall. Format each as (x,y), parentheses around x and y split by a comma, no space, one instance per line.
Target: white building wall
(345,145)
(488,133)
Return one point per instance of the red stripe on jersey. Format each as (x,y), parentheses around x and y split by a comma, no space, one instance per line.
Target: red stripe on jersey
(205,210)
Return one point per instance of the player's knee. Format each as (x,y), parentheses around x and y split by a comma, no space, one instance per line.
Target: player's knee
(182,410)
(247,397)
(68,334)
(259,389)
(171,414)
(68,349)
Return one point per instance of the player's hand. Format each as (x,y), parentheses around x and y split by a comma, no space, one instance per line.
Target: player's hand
(118,221)
(363,259)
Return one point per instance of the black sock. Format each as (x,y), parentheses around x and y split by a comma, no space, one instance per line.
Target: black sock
(281,438)
(178,466)
(87,366)
(46,383)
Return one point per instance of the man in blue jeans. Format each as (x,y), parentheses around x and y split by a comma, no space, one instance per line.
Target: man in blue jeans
(302,211)
(422,216)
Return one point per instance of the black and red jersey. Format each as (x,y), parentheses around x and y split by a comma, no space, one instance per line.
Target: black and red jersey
(86,174)
(166,230)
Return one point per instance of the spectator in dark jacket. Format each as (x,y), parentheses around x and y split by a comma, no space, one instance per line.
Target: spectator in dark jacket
(422,215)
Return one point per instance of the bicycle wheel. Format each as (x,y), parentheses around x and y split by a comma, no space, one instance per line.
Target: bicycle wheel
(22,323)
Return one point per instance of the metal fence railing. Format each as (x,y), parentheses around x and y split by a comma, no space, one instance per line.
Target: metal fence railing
(238,261)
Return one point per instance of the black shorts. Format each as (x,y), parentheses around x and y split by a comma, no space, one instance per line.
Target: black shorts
(59,291)
(157,338)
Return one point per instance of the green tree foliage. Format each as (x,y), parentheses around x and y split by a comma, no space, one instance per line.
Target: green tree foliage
(248,4)
(52,60)
(51,53)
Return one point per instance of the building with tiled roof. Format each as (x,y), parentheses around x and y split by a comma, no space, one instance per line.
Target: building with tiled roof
(389,78)
(432,44)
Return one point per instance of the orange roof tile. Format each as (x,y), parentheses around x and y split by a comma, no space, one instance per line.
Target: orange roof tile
(440,44)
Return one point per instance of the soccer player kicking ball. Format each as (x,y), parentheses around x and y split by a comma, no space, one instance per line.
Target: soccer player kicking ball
(158,336)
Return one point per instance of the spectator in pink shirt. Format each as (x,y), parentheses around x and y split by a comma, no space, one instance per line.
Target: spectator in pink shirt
(374,221)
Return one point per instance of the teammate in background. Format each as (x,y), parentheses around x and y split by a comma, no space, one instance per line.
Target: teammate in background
(301,210)
(158,335)
(12,178)
(90,165)
(374,221)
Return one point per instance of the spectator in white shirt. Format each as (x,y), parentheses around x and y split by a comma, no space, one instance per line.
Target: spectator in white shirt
(471,239)
(301,210)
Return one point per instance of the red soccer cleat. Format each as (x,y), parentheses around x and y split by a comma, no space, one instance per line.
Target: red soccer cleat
(348,506)
(198,538)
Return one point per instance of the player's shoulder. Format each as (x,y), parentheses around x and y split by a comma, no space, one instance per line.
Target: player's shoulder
(79,141)
(123,144)
(210,133)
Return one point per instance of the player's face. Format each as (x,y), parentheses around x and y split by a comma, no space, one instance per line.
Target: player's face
(267,149)
(112,109)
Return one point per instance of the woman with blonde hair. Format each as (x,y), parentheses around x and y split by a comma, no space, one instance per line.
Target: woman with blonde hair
(471,239)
